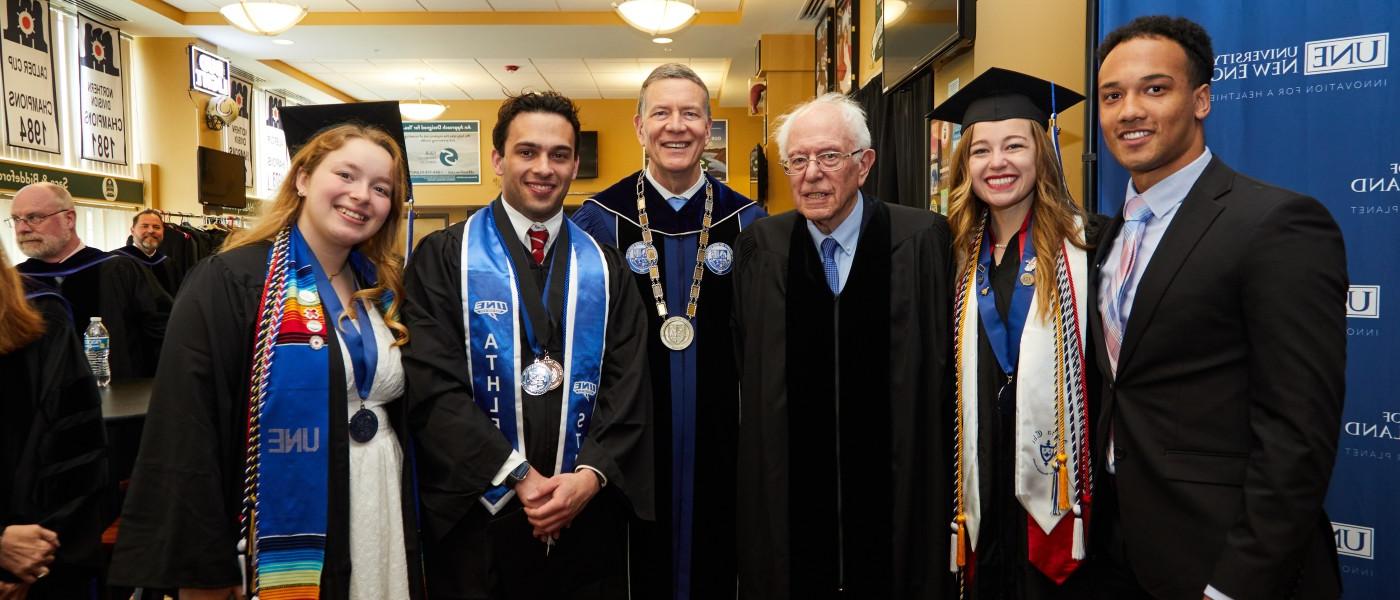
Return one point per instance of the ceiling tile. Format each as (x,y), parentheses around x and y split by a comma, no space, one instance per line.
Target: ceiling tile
(524,5)
(549,66)
(327,5)
(456,5)
(496,67)
(611,65)
(571,80)
(586,5)
(310,67)
(632,81)
(195,5)
(387,5)
(718,5)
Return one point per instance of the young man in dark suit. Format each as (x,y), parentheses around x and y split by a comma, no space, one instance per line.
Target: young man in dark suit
(1224,349)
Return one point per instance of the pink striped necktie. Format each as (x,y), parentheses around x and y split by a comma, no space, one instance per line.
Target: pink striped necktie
(1136,214)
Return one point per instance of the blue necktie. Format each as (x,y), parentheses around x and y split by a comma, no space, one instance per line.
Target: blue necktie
(1136,214)
(833,275)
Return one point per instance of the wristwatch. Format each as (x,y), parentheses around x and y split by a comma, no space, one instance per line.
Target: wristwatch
(517,474)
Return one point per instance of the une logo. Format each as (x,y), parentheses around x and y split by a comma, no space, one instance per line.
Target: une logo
(1347,54)
(491,308)
(1364,301)
(1354,540)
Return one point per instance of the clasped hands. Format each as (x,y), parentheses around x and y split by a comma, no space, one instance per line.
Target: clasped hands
(551,503)
(26,551)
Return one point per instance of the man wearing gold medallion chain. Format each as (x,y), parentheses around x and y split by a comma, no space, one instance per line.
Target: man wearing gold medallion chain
(677,225)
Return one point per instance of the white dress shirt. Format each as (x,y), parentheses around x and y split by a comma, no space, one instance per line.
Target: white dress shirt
(677,201)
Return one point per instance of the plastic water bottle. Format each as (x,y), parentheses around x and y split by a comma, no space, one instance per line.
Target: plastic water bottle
(97,344)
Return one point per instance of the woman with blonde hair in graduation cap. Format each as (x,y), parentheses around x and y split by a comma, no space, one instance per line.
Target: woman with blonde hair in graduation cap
(271,461)
(1023,481)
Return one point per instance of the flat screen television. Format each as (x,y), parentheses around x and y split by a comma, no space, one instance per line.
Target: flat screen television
(221,178)
(587,155)
(927,30)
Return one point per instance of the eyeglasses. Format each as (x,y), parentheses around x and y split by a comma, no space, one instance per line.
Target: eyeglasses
(32,220)
(826,161)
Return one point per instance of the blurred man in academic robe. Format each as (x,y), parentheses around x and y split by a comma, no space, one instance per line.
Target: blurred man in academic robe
(147,233)
(131,303)
(841,316)
(670,217)
(527,383)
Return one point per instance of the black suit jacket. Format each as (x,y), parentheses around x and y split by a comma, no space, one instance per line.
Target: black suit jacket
(1227,402)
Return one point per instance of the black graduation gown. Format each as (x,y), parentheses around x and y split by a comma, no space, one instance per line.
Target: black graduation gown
(131,303)
(688,552)
(160,266)
(844,470)
(53,452)
(1002,569)
(179,524)
(471,553)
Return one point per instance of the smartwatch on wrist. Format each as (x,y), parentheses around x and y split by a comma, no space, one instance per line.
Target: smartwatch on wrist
(517,474)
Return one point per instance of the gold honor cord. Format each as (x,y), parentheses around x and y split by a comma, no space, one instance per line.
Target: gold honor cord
(676,332)
(956,557)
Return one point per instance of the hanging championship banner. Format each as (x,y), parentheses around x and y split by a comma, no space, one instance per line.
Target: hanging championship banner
(101,92)
(31,112)
(1304,95)
(238,136)
(273,158)
(443,152)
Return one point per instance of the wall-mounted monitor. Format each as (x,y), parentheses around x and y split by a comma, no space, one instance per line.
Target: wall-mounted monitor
(221,179)
(587,155)
(927,31)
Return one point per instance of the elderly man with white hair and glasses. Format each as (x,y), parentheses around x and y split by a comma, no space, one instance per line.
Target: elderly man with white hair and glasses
(841,321)
(133,306)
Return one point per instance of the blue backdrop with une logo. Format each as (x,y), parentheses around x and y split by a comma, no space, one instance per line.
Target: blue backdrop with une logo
(1306,95)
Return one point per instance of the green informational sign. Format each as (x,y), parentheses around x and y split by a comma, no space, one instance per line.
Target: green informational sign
(83,186)
(443,152)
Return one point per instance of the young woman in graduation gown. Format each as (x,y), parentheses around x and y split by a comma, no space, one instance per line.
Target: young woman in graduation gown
(53,460)
(304,494)
(1023,287)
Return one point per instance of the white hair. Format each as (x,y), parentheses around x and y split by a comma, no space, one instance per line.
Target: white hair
(851,116)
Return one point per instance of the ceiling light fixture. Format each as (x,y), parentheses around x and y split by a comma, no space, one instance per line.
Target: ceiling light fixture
(263,17)
(894,11)
(283,42)
(420,110)
(661,40)
(657,17)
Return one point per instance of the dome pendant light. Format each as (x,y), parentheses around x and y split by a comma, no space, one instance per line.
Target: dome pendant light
(657,17)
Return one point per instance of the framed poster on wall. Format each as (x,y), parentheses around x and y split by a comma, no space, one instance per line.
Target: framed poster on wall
(846,50)
(823,52)
(716,154)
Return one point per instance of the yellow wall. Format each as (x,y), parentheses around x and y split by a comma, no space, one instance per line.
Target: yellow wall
(790,70)
(618,151)
(172,121)
(1045,39)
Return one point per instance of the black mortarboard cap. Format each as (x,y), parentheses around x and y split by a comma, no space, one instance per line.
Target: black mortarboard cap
(301,123)
(1000,94)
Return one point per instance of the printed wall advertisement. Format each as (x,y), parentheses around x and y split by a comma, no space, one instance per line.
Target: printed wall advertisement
(273,160)
(31,111)
(443,152)
(238,135)
(102,92)
(716,154)
(1304,96)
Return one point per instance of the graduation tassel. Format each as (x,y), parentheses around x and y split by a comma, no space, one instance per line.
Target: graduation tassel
(953,549)
(1062,503)
(1076,550)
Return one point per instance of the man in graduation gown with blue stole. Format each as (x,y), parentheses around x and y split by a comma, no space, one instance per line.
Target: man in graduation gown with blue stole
(131,303)
(682,216)
(841,317)
(527,383)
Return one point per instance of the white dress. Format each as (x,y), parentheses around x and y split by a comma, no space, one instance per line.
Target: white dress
(378,566)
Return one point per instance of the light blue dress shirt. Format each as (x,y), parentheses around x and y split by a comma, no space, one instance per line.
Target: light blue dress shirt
(1164,199)
(847,235)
